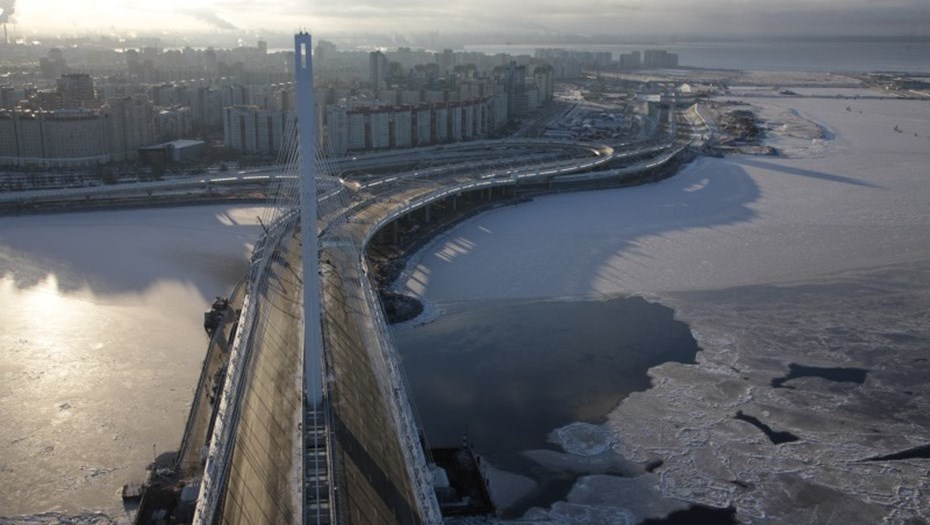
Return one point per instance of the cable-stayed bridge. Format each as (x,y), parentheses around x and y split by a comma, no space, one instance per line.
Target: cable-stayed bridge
(314,423)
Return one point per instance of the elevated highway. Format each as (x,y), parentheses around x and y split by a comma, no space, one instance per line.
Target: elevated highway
(260,183)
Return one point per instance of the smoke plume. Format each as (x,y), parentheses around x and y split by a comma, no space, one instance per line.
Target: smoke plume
(205,15)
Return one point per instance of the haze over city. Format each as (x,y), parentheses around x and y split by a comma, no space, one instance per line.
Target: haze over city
(681,18)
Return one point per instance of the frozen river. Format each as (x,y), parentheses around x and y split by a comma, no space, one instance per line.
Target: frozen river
(859,200)
(101,341)
(815,261)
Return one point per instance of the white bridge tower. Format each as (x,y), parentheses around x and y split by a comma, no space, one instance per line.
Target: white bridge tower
(310,251)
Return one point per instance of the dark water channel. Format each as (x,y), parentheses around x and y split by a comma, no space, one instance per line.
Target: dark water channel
(837,374)
(508,372)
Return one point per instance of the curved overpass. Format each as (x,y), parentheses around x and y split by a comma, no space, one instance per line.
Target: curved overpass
(259,183)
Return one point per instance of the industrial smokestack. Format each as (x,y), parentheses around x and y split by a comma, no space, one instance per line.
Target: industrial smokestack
(7,8)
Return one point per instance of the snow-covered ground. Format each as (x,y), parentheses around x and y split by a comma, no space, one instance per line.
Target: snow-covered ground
(101,341)
(819,257)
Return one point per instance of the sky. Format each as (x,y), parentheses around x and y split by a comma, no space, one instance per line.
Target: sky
(614,17)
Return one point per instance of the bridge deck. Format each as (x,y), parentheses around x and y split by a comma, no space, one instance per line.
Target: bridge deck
(262,479)
(374,486)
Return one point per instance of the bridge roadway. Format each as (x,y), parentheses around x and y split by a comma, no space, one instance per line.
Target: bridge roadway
(256,183)
(498,159)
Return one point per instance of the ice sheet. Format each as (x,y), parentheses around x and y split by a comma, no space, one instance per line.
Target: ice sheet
(820,258)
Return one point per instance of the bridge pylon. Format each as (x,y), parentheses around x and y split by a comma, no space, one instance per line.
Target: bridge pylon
(310,251)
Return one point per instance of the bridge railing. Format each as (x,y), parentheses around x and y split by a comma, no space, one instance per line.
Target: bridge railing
(214,475)
(402,413)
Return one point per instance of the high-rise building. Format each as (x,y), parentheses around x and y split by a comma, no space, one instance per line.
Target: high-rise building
(377,70)
(60,138)
(323,52)
(357,131)
(74,135)
(235,95)
(9,144)
(207,109)
(543,77)
(482,112)
(630,60)
(603,59)
(253,130)
(441,123)
(515,84)
(532,97)
(497,111)
(403,129)
(10,96)
(468,121)
(424,127)
(380,129)
(76,90)
(26,127)
(129,123)
(659,58)
(173,123)
(337,130)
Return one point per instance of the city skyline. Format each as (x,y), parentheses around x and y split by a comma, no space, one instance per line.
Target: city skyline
(725,18)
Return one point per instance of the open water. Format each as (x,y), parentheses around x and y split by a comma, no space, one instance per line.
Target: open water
(508,372)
